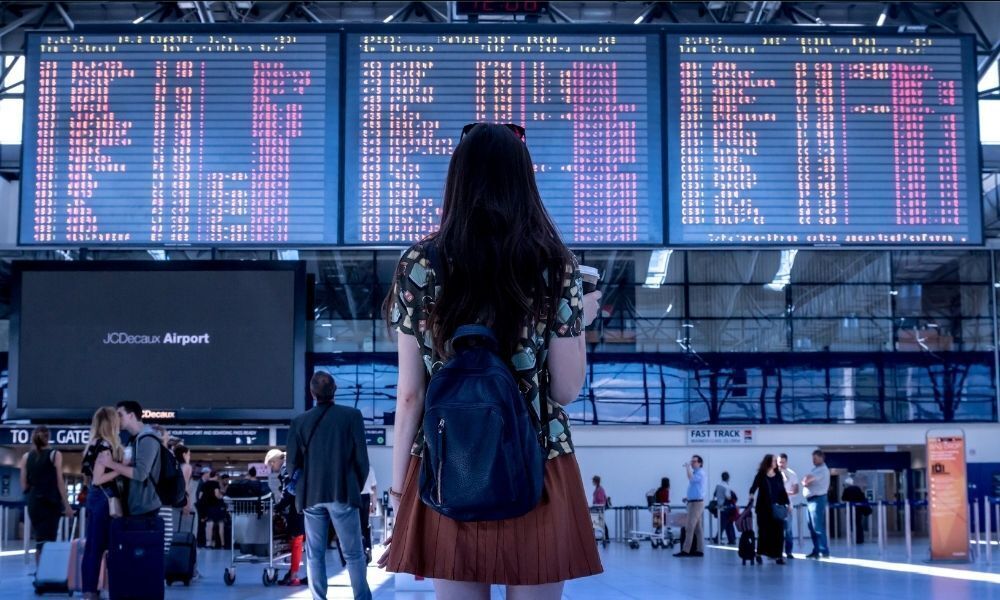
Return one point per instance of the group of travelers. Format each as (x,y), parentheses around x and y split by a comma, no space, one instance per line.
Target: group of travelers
(775,492)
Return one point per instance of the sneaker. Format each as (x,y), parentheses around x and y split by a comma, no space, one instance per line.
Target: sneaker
(286,580)
(304,581)
(812,555)
(682,554)
(790,556)
(825,555)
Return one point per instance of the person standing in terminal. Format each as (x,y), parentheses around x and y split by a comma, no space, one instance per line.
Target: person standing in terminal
(104,491)
(771,507)
(212,510)
(327,445)
(725,503)
(695,507)
(497,261)
(817,486)
(183,456)
(275,460)
(42,481)
(600,496)
(862,509)
(792,489)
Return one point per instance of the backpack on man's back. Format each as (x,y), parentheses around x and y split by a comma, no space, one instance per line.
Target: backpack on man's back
(169,479)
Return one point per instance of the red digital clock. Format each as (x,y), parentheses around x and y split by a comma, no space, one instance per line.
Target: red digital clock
(500,8)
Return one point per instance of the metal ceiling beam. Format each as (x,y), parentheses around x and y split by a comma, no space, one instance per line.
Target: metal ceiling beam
(987,62)
(277,14)
(17,23)
(65,16)
(148,15)
(204,12)
(984,40)
(309,14)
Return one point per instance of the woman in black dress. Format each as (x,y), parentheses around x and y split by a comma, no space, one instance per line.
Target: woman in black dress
(771,501)
(42,481)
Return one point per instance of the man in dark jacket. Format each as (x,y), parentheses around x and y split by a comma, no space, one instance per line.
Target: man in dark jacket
(327,443)
(855,495)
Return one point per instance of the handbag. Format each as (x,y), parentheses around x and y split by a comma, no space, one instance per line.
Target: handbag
(114,505)
(779,512)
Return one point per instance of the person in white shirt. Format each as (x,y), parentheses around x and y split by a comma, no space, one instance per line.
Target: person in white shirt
(792,489)
(817,485)
(725,502)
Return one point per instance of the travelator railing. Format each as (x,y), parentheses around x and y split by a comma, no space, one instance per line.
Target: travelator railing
(888,522)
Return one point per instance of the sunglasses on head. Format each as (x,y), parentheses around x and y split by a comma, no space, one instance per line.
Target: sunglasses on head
(517,129)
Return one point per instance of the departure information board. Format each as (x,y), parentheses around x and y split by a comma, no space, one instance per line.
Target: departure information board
(590,104)
(180,138)
(782,139)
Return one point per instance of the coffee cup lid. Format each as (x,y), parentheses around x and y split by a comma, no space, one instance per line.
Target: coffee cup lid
(584,269)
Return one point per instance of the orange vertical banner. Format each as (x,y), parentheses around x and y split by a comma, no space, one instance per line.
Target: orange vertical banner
(948,498)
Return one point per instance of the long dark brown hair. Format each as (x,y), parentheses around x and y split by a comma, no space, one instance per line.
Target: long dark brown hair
(495,242)
(766,464)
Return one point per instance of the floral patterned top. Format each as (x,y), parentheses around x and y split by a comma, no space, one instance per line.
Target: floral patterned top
(415,288)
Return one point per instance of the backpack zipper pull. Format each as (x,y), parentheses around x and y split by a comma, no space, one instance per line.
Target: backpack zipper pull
(440,458)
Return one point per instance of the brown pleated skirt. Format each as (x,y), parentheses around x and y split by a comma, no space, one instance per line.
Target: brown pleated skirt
(554,542)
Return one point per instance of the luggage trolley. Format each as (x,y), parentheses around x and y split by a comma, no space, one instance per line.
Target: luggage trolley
(261,507)
(661,536)
(599,524)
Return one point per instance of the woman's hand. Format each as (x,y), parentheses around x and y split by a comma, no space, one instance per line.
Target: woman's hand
(384,559)
(591,307)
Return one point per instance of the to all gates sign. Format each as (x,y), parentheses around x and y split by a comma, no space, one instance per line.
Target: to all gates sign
(720,436)
(59,436)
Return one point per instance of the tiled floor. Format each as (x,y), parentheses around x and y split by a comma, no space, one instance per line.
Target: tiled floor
(644,573)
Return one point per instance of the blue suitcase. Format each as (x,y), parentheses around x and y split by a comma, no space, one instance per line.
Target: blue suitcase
(135,559)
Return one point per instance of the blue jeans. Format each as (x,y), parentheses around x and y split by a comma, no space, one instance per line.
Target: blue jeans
(788,530)
(726,525)
(98,538)
(817,525)
(348,526)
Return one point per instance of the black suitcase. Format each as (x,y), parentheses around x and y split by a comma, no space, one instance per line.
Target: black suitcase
(748,546)
(181,558)
(135,559)
(695,545)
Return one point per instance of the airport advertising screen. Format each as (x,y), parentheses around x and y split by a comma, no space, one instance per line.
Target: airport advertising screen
(822,138)
(208,340)
(187,138)
(589,103)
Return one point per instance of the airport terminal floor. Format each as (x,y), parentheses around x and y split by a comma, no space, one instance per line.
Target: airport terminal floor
(642,574)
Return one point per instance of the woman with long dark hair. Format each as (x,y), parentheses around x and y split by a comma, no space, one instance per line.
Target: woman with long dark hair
(772,508)
(42,482)
(505,267)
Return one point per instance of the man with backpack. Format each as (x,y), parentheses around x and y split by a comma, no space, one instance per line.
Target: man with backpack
(143,452)
(326,444)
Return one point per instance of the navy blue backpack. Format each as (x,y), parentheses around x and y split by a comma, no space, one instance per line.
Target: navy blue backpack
(483,456)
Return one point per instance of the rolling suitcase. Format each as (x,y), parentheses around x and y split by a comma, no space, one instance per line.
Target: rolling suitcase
(52,575)
(181,557)
(55,563)
(135,559)
(748,546)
